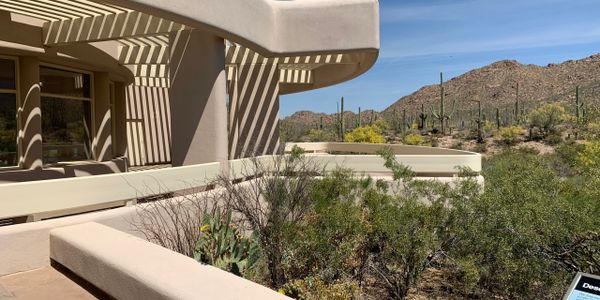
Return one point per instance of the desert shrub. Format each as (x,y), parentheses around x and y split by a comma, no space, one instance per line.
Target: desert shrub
(592,130)
(365,134)
(458,145)
(480,147)
(511,231)
(589,156)
(223,245)
(510,135)
(547,119)
(318,135)
(413,139)
(381,124)
(553,139)
(270,203)
(315,288)
(328,243)
(488,128)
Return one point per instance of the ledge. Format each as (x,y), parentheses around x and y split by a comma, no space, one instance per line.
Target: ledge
(127,267)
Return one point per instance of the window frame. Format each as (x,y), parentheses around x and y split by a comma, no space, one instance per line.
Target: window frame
(17,94)
(89,99)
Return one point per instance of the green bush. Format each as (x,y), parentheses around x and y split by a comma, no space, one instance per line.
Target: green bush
(318,135)
(588,158)
(413,139)
(365,134)
(510,135)
(547,119)
(512,231)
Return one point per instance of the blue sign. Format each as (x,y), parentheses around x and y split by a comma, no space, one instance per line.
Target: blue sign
(584,287)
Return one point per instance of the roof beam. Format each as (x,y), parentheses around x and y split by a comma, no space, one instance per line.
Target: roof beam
(107,26)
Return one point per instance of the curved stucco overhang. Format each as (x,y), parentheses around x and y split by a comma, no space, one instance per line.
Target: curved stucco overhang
(306,29)
(276,28)
(315,43)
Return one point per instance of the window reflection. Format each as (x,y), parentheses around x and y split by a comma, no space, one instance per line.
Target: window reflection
(7,74)
(8,130)
(65,83)
(66,125)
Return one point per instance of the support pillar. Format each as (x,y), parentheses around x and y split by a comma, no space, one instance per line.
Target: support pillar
(254,110)
(197,98)
(120,122)
(30,113)
(102,142)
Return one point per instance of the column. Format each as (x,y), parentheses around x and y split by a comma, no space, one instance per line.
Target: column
(30,114)
(120,122)
(102,142)
(197,98)
(254,111)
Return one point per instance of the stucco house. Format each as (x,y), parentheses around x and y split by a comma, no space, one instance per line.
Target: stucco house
(100,98)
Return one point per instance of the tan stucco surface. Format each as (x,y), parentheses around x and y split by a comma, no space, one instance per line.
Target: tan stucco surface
(276,27)
(127,267)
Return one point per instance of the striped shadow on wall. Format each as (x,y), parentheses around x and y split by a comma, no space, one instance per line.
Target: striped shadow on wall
(148,125)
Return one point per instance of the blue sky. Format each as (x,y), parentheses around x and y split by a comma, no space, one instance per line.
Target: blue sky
(420,38)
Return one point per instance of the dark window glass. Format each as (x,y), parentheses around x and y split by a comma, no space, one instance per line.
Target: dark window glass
(8,130)
(7,74)
(65,83)
(66,126)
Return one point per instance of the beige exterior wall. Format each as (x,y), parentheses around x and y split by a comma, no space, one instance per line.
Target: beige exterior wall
(197,98)
(253,110)
(148,125)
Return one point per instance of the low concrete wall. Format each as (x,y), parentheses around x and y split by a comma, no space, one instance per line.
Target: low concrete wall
(127,267)
(425,161)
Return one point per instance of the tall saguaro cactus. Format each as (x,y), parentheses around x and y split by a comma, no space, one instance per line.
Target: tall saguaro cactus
(517,106)
(359,118)
(422,117)
(441,115)
(497,119)
(578,105)
(342,123)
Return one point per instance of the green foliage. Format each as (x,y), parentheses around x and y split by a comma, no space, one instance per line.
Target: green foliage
(318,135)
(413,139)
(316,288)
(510,135)
(370,134)
(326,242)
(588,158)
(512,231)
(222,245)
(546,119)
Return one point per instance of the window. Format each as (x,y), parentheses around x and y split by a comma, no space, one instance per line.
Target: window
(66,115)
(8,113)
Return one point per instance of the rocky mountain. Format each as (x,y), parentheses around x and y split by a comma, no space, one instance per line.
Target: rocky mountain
(496,85)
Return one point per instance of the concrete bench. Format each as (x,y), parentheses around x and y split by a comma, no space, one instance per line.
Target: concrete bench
(127,267)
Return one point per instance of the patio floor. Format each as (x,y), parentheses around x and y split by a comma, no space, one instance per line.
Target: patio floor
(47,283)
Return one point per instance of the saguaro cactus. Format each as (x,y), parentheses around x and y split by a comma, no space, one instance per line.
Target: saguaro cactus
(517,106)
(342,123)
(578,105)
(441,115)
(359,118)
(422,118)
(479,121)
(497,119)
(404,122)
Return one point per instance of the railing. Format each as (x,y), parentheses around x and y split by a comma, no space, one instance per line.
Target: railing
(38,200)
